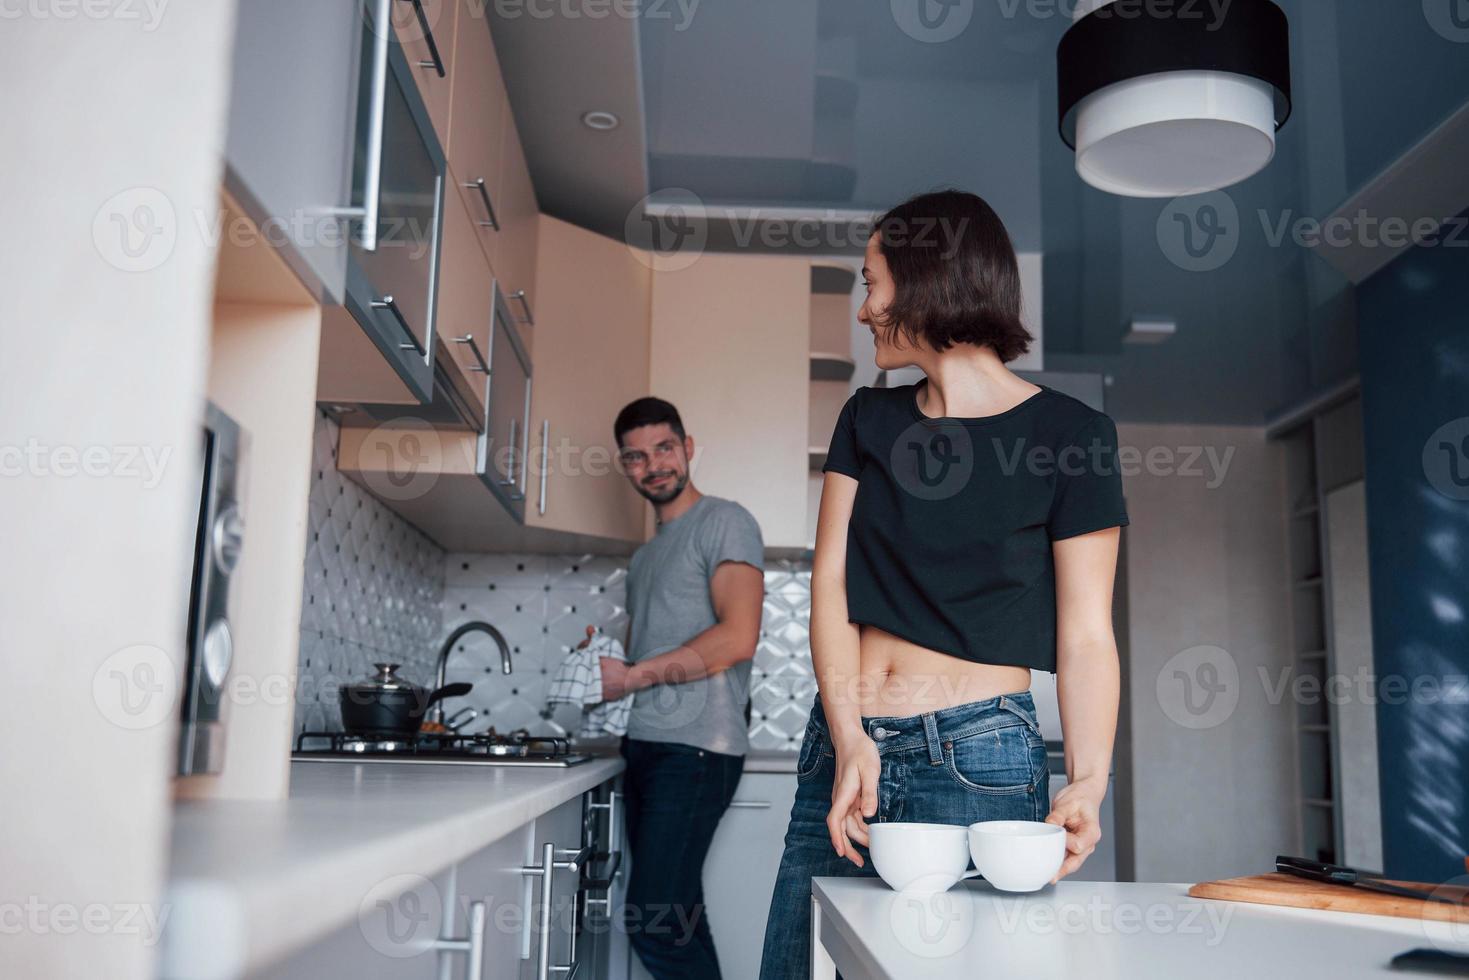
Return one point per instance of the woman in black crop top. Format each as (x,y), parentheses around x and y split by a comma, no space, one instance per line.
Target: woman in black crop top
(968,534)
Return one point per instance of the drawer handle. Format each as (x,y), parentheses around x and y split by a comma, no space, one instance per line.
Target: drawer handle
(529,317)
(483,367)
(473,944)
(572,861)
(387,303)
(750,805)
(435,61)
(545,462)
(372,190)
(484,192)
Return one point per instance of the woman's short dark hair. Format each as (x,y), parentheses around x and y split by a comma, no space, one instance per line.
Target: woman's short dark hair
(956,276)
(646,411)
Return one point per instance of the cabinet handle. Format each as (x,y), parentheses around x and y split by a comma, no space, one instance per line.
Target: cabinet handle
(478,184)
(472,944)
(435,62)
(750,805)
(529,318)
(573,861)
(545,462)
(387,303)
(373,172)
(483,366)
(515,457)
(613,858)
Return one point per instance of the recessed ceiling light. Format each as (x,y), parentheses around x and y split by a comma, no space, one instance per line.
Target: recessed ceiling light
(1166,104)
(599,120)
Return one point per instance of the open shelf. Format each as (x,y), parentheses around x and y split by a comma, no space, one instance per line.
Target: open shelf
(831,367)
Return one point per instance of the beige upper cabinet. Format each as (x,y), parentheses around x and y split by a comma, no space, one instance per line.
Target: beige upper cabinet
(480,116)
(730,348)
(425,30)
(515,259)
(592,335)
(466,290)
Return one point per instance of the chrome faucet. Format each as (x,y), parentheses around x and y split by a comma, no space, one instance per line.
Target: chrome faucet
(436,713)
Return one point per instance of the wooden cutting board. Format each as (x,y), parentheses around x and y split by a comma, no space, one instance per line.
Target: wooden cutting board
(1283,889)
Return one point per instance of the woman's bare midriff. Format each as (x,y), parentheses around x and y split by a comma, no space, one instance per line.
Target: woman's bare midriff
(900,679)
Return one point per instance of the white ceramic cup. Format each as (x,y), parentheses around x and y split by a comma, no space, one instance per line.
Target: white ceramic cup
(919,857)
(1017,855)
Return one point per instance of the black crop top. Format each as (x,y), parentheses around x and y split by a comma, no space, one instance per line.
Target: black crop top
(949,544)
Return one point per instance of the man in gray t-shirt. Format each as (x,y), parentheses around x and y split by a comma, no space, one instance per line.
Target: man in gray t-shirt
(694,596)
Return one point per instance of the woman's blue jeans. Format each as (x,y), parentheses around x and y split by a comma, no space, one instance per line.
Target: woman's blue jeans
(980,761)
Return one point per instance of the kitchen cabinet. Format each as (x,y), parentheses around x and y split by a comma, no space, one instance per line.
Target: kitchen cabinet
(515,253)
(480,114)
(730,347)
(493,876)
(291,129)
(425,29)
(393,260)
(466,298)
(593,325)
(504,446)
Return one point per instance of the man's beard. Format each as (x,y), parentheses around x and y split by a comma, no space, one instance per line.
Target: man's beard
(671,491)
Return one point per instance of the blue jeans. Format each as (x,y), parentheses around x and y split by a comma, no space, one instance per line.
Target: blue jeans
(980,761)
(674,796)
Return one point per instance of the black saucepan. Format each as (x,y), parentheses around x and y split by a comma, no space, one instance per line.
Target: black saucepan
(388,703)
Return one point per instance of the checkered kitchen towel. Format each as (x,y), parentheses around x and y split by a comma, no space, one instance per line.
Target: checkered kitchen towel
(579,681)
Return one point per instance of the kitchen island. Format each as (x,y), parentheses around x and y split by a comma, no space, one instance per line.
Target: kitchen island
(1097,930)
(251,883)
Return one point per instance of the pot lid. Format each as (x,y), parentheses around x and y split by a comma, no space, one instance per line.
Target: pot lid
(386,679)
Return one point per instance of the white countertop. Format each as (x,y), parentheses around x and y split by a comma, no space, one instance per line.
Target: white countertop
(1102,930)
(250,882)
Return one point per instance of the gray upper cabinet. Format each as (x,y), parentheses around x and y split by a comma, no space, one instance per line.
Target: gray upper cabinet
(292,119)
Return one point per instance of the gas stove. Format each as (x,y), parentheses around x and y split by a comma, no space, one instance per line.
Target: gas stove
(518,748)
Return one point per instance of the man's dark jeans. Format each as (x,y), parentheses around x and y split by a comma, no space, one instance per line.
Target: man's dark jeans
(675,795)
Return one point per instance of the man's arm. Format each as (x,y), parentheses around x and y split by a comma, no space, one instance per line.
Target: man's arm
(737,590)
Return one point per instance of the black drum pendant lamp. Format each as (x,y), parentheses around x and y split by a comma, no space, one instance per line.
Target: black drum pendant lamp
(1164,99)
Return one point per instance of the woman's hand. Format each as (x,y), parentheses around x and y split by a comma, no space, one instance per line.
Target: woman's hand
(853,793)
(1076,808)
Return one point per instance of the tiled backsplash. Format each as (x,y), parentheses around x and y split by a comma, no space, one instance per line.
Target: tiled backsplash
(376,589)
(372,591)
(543,605)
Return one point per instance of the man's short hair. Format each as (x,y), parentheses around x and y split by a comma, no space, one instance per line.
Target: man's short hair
(646,411)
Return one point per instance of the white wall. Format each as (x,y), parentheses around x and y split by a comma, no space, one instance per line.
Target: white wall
(104,353)
(1213,781)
